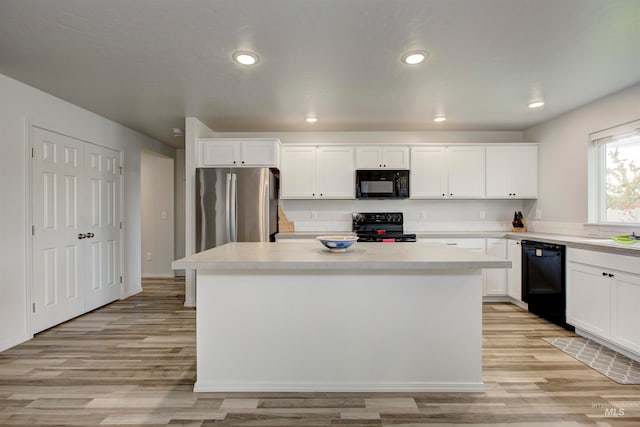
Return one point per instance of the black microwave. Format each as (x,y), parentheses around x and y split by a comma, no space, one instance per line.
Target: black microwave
(382,184)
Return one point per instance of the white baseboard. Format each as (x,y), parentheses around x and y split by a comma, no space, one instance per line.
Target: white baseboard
(496,298)
(132,293)
(340,387)
(14,341)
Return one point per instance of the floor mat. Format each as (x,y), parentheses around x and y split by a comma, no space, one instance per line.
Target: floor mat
(613,365)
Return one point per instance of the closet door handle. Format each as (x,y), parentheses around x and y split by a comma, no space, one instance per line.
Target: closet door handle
(90,235)
(82,236)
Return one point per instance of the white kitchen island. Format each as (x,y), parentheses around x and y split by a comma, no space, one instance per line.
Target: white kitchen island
(378,317)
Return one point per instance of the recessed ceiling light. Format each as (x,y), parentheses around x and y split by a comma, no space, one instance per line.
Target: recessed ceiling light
(440,119)
(245,57)
(311,119)
(536,104)
(415,57)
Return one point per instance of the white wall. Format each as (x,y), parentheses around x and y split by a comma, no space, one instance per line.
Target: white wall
(21,103)
(563,155)
(193,129)
(180,182)
(157,210)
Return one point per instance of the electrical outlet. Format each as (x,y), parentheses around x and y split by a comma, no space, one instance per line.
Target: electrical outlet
(164,214)
(538,214)
(314,215)
(483,215)
(423,215)
(148,256)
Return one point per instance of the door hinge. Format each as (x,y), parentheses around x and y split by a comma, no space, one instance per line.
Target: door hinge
(120,225)
(34,307)
(120,279)
(121,170)
(33,230)
(33,152)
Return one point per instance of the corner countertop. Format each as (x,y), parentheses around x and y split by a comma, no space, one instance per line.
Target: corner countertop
(361,257)
(577,242)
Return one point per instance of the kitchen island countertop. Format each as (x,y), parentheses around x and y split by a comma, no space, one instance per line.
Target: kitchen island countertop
(361,256)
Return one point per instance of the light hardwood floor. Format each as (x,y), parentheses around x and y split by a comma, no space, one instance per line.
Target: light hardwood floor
(133,363)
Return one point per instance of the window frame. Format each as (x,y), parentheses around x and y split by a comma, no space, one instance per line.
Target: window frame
(597,173)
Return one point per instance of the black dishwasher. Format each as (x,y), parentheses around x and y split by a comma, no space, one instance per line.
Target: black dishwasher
(543,281)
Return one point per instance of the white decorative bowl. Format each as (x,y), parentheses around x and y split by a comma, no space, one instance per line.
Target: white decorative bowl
(337,243)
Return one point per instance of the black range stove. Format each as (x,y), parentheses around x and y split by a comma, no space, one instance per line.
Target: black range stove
(380,227)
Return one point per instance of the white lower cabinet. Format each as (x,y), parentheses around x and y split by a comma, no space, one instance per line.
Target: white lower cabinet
(588,298)
(514,274)
(603,296)
(495,279)
(625,322)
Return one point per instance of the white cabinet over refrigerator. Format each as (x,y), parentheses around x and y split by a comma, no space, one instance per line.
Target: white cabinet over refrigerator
(237,152)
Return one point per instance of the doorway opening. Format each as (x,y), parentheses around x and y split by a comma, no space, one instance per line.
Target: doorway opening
(157,214)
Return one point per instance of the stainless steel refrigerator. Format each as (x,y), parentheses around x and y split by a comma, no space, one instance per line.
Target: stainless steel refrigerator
(235,205)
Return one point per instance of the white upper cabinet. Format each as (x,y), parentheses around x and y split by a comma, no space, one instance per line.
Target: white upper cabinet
(297,172)
(335,173)
(317,172)
(376,157)
(512,172)
(466,166)
(255,152)
(447,172)
(428,176)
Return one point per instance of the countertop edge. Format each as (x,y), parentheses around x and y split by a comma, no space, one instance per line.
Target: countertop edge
(349,266)
(577,242)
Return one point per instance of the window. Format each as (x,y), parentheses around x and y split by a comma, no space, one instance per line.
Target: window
(615,172)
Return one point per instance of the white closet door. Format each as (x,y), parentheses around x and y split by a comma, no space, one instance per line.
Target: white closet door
(57,288)
(102,225)
(76,222)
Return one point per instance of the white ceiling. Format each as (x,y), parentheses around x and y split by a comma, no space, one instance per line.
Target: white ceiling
(149,63)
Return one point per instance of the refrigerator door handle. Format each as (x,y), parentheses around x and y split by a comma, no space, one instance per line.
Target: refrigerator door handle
(228,209)
(234,207)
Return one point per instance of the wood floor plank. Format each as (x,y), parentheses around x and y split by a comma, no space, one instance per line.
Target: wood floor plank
(133,363)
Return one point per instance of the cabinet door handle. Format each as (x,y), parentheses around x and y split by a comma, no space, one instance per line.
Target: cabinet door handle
(90,235)
(610,275)
(604,274)
(82,236)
